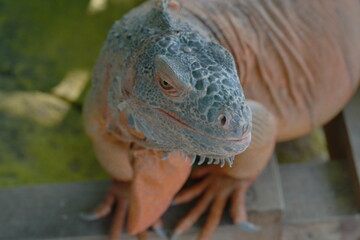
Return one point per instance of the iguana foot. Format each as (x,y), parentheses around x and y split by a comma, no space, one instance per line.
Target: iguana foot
(238,207)
(216,189)
(118,194)
(159,229)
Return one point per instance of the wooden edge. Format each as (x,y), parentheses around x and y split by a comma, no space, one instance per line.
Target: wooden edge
(52,210)
(351,116)
(343,139)
(267,189)
(316,191)
(345,228)
(270,223)
(337,138)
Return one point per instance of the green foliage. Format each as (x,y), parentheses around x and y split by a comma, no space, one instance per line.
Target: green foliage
(32,153)
(311,147)
(41,41)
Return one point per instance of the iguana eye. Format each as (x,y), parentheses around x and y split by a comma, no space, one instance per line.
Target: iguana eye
(168,89)
(165,85)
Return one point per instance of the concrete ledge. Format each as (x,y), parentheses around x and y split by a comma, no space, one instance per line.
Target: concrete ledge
(51,211)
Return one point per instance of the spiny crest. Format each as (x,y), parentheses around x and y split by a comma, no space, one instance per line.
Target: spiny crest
(161,4)
(210,160)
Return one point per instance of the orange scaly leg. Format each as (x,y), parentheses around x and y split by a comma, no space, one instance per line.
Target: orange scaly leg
(118,194)
(217,189)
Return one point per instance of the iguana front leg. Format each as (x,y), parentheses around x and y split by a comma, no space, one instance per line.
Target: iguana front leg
(143,186)
(230,183)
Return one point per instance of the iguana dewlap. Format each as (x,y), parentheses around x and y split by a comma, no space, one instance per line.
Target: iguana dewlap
(171,81)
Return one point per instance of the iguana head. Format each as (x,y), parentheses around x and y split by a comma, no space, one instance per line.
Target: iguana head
(185,95)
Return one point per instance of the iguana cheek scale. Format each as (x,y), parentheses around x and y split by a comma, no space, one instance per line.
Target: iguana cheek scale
(170,84)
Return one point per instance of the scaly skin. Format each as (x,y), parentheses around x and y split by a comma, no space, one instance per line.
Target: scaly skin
(165,88)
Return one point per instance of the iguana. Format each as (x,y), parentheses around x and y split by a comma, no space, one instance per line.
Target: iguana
(217,83)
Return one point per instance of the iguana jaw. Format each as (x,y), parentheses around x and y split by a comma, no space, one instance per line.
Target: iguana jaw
(175,118)
(181,135)
(220,150)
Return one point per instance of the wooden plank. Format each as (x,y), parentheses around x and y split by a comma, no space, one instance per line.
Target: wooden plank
(343,137)
(352,121)
(341,147)
(316,191)
(270,231)
(344,228)
(337,139)
(267,192)
(51,211)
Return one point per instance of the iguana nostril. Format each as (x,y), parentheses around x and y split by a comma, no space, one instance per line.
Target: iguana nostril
(224,120)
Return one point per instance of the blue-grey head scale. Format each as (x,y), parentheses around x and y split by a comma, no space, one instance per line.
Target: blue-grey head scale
(184,93)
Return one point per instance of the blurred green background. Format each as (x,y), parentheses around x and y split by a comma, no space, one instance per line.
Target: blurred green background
(47,50)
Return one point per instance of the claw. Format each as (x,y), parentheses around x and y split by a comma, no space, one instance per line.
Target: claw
(89,216)
(248,226)
(202,160)
(210,161)
(217,161)
(159,230)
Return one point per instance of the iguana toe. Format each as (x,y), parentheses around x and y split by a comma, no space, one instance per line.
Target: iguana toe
(248,226)
(159,230)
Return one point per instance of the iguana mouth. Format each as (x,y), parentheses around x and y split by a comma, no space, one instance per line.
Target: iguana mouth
(211,159)
(175,118)
(192,156)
